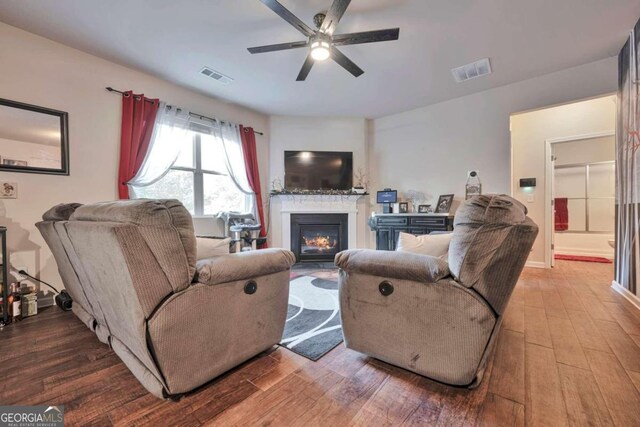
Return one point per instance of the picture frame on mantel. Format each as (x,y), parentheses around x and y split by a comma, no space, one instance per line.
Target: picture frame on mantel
(33,139)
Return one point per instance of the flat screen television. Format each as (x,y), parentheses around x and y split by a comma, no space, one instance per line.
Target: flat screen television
(318,170)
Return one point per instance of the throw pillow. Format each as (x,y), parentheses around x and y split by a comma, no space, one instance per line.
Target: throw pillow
(209,248)
(428,244)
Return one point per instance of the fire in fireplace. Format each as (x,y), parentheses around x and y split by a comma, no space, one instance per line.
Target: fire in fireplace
(318,237)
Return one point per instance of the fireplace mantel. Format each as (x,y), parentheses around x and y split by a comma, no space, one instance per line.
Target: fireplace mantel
(308,203)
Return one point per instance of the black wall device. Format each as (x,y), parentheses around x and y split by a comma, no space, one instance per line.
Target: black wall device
(527,182)
(386,197)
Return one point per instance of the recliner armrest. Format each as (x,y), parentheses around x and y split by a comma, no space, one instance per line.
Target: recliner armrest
(396,265)
(244,265)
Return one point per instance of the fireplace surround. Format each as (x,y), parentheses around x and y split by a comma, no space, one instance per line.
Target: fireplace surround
(319,236)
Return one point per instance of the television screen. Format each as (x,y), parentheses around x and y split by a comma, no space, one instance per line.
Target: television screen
(318,170)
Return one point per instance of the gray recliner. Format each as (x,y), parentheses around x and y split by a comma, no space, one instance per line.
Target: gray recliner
(131,269)
(435,317)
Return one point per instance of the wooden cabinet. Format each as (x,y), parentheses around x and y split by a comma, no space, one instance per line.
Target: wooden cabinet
(389,226)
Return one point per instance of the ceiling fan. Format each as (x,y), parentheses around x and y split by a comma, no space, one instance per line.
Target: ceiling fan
(321,42)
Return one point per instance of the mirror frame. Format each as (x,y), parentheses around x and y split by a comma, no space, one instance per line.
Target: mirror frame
(64,139)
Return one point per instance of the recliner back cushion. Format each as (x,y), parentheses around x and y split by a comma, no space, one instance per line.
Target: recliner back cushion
(165,226)
(491,241)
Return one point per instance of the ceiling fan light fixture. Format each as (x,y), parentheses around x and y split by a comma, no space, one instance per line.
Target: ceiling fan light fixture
(320,50)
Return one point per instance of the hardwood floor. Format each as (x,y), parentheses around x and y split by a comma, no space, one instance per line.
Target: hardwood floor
(568,354)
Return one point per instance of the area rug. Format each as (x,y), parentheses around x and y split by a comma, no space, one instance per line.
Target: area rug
(313,325)
(583,258)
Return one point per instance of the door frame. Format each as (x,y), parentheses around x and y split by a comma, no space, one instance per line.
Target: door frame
(548,189)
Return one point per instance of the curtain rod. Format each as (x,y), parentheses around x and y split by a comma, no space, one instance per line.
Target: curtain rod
(110,89)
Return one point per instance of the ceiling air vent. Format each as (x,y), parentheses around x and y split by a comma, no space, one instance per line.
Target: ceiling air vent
(216,75)
(471,71)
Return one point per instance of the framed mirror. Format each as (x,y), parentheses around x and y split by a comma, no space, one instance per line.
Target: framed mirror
(33,139)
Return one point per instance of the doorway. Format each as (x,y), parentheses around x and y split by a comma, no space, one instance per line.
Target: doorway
(566,132)
(581,181)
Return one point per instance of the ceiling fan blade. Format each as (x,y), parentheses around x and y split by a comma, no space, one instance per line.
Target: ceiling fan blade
(366,37)
(334,15)
(285,14)
(306,67)
(345,62)
(276,47)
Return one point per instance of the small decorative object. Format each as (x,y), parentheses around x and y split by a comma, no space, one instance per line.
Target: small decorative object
(423,208)
(444,203)
(361,181)
(276,185)
(473,187)
(416,198)
(404,207)
(10,162)
(8,190)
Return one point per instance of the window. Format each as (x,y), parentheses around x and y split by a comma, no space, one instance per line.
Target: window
(199,179)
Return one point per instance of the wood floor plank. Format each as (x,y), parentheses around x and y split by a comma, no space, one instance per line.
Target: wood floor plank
(566,346)
(635,379)
(625,349)
(508,377)
(629,323)
(536,328)
(618,392)
(544,400)
(498,411)
(584,402)
(594,307)
(587,332)
(394,401)
(514,317)
(553,305)
(532,294)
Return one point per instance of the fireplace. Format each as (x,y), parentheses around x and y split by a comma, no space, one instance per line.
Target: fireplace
(318,237)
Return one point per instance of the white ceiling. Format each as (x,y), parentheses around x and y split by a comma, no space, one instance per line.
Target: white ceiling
(175,39)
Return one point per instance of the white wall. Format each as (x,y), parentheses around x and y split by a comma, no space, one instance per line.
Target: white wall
(317,134)
(41,72)
(529,133)
(430,149)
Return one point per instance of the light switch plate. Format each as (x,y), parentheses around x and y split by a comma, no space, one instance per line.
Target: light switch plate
(530,198)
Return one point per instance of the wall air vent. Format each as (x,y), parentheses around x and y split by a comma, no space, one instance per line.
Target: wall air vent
(471,71)
(216,75)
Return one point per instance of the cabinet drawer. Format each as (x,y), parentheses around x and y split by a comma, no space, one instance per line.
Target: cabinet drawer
(429,221)
(391,221)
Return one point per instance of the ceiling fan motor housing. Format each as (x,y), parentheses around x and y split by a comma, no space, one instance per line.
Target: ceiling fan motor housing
(318,18)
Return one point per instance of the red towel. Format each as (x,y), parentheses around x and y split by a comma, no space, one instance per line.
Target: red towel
(561,213)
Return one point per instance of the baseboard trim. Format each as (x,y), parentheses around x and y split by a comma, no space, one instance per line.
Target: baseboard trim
(535,264)
(625,293)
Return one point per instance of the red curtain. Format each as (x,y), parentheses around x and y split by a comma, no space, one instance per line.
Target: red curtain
(138,115)
(251,164)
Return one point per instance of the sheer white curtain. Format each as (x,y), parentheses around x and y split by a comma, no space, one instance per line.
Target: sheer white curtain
(170,132)
(229,134)
(234,157)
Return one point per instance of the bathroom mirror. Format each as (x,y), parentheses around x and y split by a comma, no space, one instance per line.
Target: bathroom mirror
(33,139)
